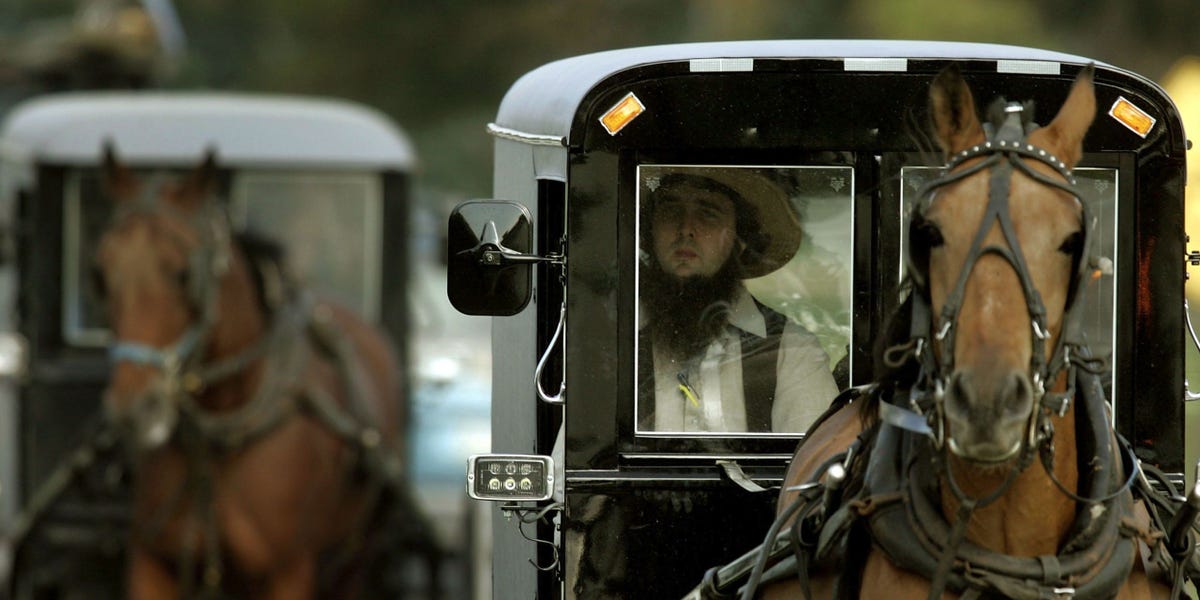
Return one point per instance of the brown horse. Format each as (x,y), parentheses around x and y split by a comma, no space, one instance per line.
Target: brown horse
(945,499)
(263,424)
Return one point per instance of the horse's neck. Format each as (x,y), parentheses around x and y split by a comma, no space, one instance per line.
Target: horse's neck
(240,324)
(1033,517)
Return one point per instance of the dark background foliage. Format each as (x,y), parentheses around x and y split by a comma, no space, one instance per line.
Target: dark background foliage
(439,68)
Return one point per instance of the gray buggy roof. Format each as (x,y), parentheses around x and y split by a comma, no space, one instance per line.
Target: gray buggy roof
(544,101)
(177,128)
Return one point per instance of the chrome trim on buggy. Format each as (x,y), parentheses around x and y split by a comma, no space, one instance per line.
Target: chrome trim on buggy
(535,139)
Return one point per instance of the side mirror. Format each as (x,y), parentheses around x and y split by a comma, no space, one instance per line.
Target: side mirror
(488,261)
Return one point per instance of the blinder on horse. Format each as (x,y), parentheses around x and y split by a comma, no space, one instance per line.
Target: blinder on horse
(1002,154)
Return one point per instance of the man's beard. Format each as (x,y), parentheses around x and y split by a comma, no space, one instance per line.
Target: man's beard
(688,313)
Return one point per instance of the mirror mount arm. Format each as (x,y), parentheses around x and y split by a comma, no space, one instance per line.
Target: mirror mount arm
(499,256)
(491,252)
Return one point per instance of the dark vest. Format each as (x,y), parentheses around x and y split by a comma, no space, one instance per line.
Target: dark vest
(760,357)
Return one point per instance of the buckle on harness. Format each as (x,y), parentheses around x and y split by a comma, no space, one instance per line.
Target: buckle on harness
(1062,593)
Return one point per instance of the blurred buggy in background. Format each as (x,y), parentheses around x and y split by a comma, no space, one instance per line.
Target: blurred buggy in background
(329,180)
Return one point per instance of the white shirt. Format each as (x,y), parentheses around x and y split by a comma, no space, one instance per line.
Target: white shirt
(804,386)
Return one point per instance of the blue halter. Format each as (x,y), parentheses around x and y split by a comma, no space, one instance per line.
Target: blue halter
(168,359)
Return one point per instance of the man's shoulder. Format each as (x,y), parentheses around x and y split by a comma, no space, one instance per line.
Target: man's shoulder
(774,320)
(780,325)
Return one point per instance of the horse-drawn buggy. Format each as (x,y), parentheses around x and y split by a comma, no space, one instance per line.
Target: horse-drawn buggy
(865,318)
(210,292)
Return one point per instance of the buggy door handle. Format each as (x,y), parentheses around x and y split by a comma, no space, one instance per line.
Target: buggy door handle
(561,396)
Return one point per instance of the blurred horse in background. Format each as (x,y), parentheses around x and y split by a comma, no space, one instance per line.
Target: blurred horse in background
(263,424)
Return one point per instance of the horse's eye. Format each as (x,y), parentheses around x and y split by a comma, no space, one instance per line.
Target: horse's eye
(927,235)
(181,278)
(1073,244)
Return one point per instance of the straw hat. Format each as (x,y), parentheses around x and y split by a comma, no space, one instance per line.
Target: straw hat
(773,240)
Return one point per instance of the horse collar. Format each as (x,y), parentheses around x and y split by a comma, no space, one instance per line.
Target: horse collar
(905,521)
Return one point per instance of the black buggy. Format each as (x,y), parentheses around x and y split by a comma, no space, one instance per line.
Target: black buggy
(598,501)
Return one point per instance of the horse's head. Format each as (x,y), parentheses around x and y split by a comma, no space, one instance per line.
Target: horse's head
(996,246)
(158,265)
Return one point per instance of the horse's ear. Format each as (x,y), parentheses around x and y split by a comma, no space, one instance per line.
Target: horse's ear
(203,179)
(116,180)
(952,108)
(1064,135)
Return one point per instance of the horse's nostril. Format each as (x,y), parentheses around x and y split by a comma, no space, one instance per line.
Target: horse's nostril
(959,389)
(1018,392)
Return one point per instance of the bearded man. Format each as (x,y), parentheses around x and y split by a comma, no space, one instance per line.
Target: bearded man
(711,357)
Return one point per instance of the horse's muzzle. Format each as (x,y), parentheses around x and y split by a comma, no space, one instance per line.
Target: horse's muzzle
(987,417)
(147,420)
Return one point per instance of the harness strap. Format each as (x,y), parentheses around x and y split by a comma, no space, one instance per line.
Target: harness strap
(273,402)
(937,583)
(802,559)
(1051,568)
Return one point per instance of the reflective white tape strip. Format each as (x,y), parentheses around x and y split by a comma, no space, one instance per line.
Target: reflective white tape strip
(717,65)
(1029,67)
(899,65)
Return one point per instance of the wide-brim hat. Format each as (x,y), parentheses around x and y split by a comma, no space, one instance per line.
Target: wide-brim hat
(777,236)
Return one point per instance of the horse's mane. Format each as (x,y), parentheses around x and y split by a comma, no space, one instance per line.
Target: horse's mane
(266,259)
(889,376)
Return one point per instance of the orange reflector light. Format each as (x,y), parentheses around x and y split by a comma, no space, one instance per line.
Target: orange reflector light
(1136,119)
(622,113)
